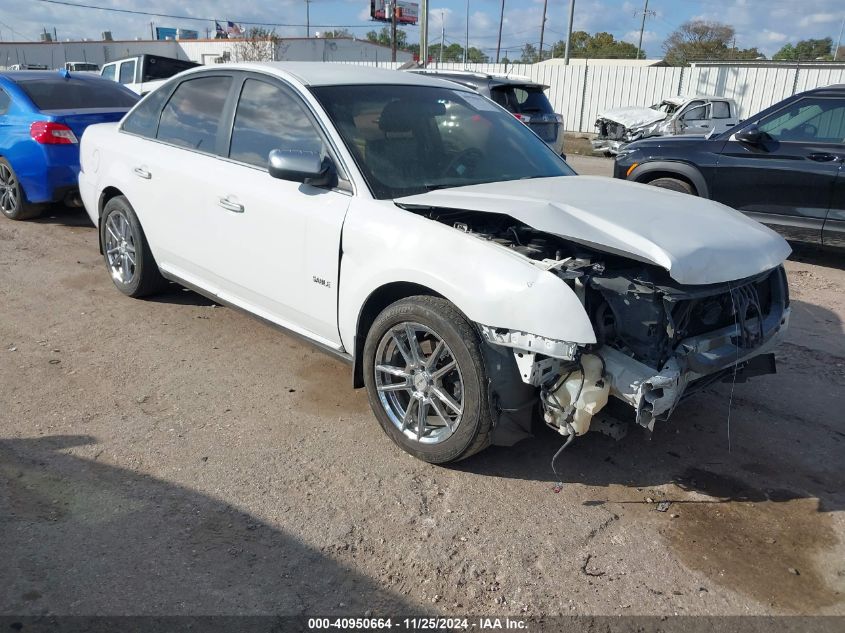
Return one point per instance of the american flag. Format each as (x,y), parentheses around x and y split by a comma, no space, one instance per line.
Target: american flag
(234,29)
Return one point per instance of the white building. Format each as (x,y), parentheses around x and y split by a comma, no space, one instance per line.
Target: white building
(55,54)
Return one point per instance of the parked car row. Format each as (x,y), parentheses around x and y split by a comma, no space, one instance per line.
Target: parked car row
(420,231)
(42,118)
(784,166)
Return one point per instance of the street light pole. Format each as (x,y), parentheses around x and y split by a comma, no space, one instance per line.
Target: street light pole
(839,40)
(569,36)
(307,18)
(424,33)
(393,30)
(642,28)
(442,37)
(543,28)
(499,41)
(466,47)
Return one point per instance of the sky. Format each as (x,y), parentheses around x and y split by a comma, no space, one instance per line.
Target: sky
(766,24)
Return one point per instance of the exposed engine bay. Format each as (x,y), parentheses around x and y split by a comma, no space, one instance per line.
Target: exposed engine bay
(657,340)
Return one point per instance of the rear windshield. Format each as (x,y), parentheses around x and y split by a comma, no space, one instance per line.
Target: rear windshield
(58,93)
(164,67)
(522,99)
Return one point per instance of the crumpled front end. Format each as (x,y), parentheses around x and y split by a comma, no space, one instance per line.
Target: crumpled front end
(612,136)
(659,341)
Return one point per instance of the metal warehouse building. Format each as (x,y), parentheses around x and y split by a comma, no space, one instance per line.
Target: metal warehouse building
(314,49)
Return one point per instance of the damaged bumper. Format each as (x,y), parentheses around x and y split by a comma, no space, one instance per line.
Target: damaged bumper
(700,362)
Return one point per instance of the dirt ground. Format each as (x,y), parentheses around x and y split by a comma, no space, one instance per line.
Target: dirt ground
(170,456)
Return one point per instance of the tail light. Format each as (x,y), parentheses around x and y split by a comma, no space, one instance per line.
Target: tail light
(51,133)
(522,117)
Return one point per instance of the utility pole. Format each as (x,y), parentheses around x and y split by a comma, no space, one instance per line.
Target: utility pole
(307,18)
(393,30)
(442,38)
(646,13)
(424,33)
(569,35)
(499,41)
(543,28)
(466,47)
(839,40)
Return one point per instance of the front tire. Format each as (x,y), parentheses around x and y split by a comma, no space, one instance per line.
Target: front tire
(127,252)
(427,381)
(13,203)
(673,184)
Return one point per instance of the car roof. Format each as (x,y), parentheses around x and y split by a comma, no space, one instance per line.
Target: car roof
(836,90)
(468,76)
(24,75)
(333,74)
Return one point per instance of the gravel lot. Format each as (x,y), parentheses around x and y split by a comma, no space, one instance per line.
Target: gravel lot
(173,456)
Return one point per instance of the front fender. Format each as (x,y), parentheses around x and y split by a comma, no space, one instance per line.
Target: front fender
(490,284)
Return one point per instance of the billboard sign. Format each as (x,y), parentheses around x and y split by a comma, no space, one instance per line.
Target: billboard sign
(406,12)
(166,33)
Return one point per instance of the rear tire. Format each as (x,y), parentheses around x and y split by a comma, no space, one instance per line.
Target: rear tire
(126,251)
(13,201)
(673,184)
(402,382)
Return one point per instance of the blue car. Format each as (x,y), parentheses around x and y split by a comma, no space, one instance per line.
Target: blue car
(42,117)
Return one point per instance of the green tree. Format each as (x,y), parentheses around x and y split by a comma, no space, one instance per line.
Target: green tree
(806,50)
(699,39)
(338,33)
(529,54)
(383,37)
(599,46)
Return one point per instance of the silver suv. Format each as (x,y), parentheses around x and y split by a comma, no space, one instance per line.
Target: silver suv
(522,97)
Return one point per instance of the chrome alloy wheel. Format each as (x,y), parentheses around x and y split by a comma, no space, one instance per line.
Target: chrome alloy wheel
(8,190)
(419,383)
(120,247)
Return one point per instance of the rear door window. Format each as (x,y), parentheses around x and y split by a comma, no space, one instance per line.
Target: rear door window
(58,93)
(269,117)
(192,116)
(721,110)
(143,120)
(127,72)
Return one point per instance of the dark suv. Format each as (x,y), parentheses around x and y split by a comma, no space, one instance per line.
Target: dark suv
(519,95)
(784,167)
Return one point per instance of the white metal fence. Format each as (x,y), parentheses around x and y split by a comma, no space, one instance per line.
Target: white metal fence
(580,93)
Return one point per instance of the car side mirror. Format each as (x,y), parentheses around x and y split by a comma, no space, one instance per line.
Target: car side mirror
(300,166)
(750,134)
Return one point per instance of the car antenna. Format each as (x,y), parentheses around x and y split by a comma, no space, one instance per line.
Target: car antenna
(64,72)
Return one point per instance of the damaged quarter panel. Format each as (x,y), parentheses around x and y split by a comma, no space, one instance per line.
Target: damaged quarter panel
(384,244)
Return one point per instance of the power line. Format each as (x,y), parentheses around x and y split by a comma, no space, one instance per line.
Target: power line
(78,5)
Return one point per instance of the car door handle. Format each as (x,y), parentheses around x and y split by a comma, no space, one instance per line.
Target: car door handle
(143,173)
(227,204)
(823,157)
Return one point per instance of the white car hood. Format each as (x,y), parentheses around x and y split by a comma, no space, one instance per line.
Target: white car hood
(697,241)
(633,116)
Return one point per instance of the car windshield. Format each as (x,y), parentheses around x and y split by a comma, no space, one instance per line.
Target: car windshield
(411,139)
(666,106)
(60,93)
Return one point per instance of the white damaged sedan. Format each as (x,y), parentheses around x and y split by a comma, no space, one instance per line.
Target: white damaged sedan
(424,234)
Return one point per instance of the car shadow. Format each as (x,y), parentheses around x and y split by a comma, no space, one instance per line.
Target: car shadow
(777,437)
(65,216)
(87,538)
(817,255)
(179,295)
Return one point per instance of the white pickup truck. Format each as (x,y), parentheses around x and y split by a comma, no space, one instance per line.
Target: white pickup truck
(144,73)
(673,116)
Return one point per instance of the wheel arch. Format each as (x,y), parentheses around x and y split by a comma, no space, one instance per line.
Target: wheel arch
(646,172)
(373,305)
(107,194)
